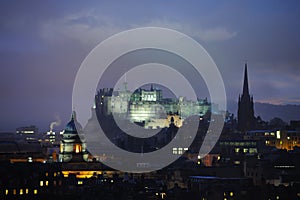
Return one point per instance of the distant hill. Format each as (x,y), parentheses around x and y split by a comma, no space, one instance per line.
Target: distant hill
(269,111)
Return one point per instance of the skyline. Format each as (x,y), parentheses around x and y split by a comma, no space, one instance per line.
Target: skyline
(44,43)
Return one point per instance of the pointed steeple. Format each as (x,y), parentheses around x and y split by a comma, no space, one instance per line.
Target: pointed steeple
(246,87)
(245,107)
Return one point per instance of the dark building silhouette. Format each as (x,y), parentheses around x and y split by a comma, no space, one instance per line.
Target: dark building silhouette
(245,107)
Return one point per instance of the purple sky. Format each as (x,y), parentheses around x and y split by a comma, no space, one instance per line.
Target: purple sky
(42,44)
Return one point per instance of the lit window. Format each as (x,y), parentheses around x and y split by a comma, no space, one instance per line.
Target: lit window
(267,142)
(46,183)
(77,148)
(252,150)
(237,162)
(245,150)
(35,191)
(278,134)
(237,150)
(231,194)
(41,183)
(266,133)
(6,192)
(21,191)
(174,150)
(14,191)
(179,150)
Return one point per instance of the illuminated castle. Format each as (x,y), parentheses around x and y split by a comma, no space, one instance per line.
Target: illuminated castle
(149,107)
(72,147)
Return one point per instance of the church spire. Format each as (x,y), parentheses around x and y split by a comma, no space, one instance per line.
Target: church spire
(245,107)
(246,87)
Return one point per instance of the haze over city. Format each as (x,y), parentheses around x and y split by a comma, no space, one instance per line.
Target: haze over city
(43,44)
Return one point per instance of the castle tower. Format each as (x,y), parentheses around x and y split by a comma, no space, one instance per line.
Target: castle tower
(245,107)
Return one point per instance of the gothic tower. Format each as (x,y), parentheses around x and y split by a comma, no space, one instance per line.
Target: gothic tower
(245,107)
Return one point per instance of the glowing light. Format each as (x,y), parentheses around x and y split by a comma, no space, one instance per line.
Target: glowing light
(266,133)
(163,195)
(21,191)
(41,183)
(179,150)
(231,194)
(267,142)
(35,191)
(237,162)
(277,134)
(80,182)
(77,148)
(6,192)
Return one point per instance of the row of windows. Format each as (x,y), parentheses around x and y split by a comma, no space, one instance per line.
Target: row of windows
(179,150)
(246,150)
(20,191)
(238,143)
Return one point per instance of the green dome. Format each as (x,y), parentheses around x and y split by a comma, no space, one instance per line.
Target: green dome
(73,125)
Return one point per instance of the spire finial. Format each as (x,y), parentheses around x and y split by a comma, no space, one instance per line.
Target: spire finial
(73,117)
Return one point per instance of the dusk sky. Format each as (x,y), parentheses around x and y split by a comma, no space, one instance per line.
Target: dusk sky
(43,43)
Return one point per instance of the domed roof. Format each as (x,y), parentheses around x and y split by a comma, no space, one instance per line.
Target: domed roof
(73,125)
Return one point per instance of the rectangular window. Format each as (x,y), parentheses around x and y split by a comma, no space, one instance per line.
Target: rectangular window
(179,150)
(174,151)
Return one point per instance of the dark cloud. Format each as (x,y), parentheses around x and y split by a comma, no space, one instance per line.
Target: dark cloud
(42,44)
